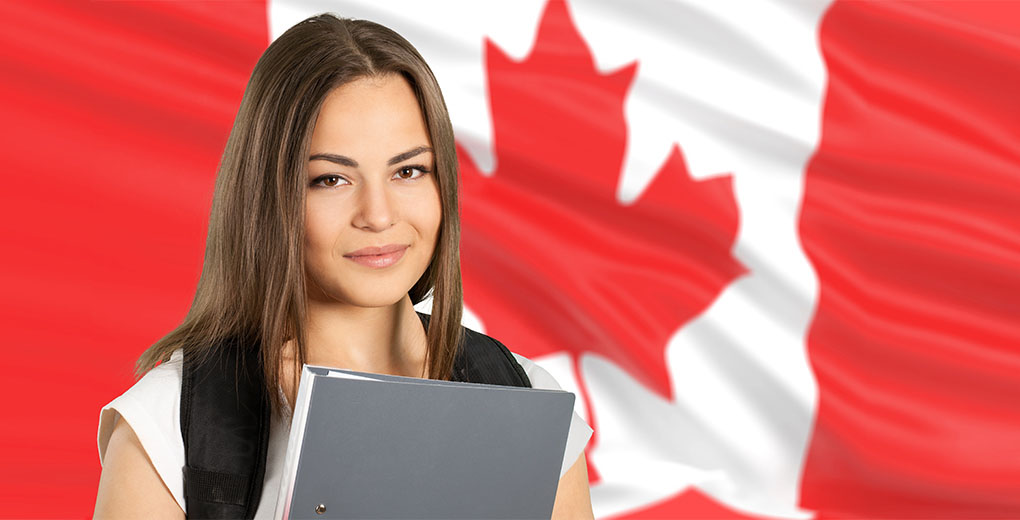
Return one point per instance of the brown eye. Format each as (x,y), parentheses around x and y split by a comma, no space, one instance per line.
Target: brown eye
(407,173)
(329,181)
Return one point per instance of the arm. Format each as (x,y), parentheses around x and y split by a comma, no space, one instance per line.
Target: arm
(573,498)
(129,486)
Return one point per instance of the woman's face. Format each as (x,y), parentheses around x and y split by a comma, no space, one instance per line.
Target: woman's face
(371,184)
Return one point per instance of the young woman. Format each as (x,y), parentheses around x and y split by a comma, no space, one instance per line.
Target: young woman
(335,211)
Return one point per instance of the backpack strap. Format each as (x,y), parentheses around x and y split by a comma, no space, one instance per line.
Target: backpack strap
(225,417)
(483,359)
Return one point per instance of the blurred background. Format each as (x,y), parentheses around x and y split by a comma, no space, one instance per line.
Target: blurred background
(772,246)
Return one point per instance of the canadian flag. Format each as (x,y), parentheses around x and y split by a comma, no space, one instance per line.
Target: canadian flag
(772,246)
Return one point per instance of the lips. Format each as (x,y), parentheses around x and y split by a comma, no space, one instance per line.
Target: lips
(375,251)
(376,257)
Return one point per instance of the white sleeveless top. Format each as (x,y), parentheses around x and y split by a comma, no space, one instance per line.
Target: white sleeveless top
(152,408)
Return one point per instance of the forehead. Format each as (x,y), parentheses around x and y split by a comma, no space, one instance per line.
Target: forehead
(370,118)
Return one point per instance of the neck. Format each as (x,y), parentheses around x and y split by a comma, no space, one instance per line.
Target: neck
(381,340)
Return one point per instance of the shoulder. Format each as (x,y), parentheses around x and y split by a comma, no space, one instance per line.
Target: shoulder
(151,397)
(483,359)
(483,342)
(159,378)
(480,342)
(151,407)
(540,377)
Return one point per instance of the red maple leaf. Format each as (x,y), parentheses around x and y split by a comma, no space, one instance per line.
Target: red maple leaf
(552,262)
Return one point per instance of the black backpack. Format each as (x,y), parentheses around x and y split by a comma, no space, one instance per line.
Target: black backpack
(225,418)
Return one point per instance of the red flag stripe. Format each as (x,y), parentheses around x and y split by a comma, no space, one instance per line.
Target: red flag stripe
(910,217)
(115,117)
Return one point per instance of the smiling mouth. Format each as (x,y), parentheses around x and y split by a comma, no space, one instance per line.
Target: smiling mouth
(387,258)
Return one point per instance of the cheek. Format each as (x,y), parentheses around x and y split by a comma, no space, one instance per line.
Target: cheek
(320,231)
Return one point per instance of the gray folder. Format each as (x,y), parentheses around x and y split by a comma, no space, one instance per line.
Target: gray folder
(379,446)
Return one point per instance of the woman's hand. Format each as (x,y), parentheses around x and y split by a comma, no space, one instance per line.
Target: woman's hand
(129,486)
(573,498)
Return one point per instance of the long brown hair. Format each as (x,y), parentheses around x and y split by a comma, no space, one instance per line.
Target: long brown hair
(253,279)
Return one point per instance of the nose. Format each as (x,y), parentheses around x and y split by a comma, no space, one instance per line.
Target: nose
(376,209)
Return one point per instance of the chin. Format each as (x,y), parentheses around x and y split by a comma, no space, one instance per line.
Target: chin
(370,294)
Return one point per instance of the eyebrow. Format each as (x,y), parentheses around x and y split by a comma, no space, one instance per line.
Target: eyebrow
(347,161)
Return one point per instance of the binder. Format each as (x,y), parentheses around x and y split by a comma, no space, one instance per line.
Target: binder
(368,445)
